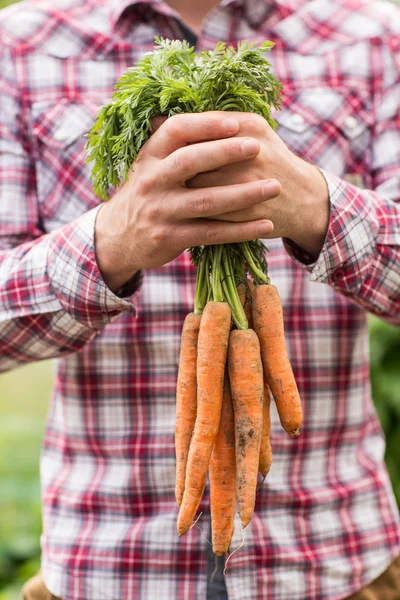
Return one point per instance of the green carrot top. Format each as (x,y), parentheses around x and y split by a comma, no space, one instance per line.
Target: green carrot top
(170,80)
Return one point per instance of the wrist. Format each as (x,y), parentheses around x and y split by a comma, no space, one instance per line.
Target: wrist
(312,226)
(110,251)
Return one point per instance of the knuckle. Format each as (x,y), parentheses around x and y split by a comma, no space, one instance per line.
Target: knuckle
(259,122)
(209,125)
(173,126)
(210,235)
(144,185)
(255,125)
(181,162)
(158,236)
(204,204)
(250,193)
(153,211)
(233,148)
(244,177)
(165,172)
(252,128)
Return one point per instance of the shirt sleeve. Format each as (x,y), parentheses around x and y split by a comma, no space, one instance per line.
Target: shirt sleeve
(361,254)
(53,299)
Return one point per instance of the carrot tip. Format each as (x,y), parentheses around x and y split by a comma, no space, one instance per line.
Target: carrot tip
(261,482)
(294,433)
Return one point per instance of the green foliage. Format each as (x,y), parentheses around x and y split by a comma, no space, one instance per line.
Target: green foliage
(170,80)
(385,378)
(3,4)
(24,395)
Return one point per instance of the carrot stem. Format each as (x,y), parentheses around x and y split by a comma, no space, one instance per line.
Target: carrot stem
(253,265)
(218,295)
(239,268)
(202,284)
(231,293)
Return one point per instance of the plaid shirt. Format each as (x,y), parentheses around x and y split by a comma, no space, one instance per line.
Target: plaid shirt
(325,521)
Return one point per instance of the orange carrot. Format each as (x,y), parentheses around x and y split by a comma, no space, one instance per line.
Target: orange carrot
(186,399)
(268,323)
(222,475)
(246,381)
(211,357)
(265,449)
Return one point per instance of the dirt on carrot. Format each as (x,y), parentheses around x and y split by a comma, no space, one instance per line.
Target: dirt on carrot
(246,381)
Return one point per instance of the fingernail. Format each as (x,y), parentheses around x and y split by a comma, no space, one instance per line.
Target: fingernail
(271,188)
(250,147)
(265,228)
(230,125)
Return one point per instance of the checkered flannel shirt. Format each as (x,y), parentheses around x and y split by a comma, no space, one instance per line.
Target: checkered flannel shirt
(325,521)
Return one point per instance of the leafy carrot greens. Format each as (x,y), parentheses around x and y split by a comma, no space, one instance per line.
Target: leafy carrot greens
(173,79)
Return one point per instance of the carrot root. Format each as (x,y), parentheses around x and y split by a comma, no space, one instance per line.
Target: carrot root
(211,358)
(265,449)
(186,399)
(246,381)
(268,323)
(222,475)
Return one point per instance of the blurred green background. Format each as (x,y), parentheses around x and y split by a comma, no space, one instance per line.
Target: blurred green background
(24,396)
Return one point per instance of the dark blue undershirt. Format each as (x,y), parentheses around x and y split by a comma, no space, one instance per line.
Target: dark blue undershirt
(188,35)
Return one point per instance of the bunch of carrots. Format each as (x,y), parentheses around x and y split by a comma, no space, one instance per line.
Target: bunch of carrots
(226,372)
(233,348)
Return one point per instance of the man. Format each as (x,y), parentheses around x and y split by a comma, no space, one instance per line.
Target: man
(105,290)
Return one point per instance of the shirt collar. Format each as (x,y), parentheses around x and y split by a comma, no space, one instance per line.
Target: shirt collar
(254,10)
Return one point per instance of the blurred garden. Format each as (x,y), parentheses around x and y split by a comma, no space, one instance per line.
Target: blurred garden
(24,397)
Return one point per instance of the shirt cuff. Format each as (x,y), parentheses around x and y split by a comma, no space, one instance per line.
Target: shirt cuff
(350,241)
(76,280)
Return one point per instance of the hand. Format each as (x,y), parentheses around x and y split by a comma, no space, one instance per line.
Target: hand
(154,216)
(301,210)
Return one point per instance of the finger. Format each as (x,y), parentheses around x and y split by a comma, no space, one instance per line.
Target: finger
(254,213)
(157,121)
(214,178)
(186,162)
(231,199)
(207,232)
(180,130)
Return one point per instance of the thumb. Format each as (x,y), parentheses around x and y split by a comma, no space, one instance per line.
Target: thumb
(157,121)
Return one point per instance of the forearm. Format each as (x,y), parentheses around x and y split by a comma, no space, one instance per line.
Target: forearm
(52,297)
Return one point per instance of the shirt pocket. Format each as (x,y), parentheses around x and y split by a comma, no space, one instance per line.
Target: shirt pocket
(329,127)
(63,180)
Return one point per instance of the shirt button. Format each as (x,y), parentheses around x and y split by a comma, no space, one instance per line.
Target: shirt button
(351,123)
(338,275)
(60,135)
(297,119)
